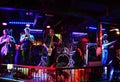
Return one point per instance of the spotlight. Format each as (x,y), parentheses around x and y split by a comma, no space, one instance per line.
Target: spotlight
(4,24)
(118,33)
(48,26)
(27,25)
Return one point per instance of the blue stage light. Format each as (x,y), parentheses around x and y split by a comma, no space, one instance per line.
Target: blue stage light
(95,28)
(14,22)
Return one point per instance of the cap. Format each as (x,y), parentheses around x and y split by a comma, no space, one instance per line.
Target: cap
(27,28)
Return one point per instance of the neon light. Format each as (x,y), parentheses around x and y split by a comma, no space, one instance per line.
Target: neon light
(58,35)
(94,28)
(36,30)
(20,22)
(79,33)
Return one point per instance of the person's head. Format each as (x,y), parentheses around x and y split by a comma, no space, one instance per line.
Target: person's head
(5,31)
(51,32)
(105,36)
(27,30)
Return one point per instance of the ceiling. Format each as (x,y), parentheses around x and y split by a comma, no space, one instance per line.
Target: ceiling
(76,13)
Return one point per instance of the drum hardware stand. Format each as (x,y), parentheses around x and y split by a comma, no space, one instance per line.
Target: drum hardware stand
(43,62)
(71,61)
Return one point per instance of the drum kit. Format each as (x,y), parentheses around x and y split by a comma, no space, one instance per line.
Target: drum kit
(64,58)
(64,55)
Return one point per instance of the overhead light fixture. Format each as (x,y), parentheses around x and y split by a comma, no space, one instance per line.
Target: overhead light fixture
(118,32)
(95,28)
(78,34)
(115,29)
(48,26)
(4,24)
(15,22)
(27,25)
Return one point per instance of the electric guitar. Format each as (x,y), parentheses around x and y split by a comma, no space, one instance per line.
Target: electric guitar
(107,44)
(50,49)
(99,49)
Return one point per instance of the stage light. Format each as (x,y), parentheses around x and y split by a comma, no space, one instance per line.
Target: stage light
(48,26)
(36,30)
(95,28)
(4,24)
(118,33)
(15,22)
(78,34)
(29,13)
(9,66)
(115,29)
(27,25)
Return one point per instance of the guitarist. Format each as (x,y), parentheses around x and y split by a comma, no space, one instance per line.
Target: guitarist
(50,43)
(7,48)
(104,49)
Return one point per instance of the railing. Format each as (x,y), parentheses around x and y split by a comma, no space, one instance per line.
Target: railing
(63,74)
(83,74)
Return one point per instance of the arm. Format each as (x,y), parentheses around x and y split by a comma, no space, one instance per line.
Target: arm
(22,38)
(1,42)
(31,38)
(44,42)
(4,40)
(45,46)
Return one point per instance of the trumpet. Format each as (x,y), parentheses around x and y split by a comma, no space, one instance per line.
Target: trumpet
(26,36)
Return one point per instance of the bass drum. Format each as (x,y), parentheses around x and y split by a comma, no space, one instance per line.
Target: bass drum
(62,60)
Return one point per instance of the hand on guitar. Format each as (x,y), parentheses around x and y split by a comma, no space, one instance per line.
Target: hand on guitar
(5,40)
(49,51)
(107,44)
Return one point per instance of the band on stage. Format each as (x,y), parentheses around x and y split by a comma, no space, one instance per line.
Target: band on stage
(51,52)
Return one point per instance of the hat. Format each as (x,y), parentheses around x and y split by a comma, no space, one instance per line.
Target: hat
(27,28)
(105,35)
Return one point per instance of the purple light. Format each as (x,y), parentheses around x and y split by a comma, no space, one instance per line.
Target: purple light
(79,33)
(4,24)
(11,9)
(29,13)
(36,30)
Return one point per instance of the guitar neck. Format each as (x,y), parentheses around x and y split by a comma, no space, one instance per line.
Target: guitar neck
(107,44)
(51,42)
